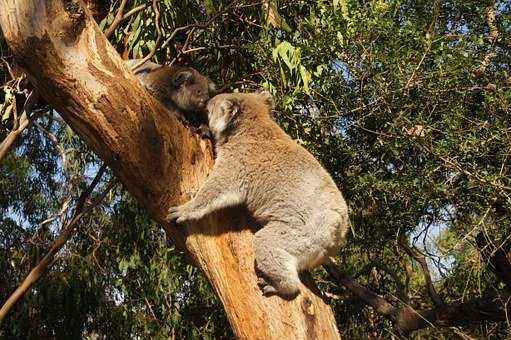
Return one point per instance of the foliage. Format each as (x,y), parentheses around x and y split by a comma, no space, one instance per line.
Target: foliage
(406,103)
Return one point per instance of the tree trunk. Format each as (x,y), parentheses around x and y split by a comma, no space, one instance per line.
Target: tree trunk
(157,159)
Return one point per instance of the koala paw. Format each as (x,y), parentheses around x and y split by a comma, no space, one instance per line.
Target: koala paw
(178,214)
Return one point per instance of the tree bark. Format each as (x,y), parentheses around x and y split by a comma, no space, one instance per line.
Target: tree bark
(156,158)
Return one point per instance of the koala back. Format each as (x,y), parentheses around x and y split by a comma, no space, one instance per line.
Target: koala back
(281,179)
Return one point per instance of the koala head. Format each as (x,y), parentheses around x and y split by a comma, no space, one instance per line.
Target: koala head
(226,110)
(185,87)
(192,89)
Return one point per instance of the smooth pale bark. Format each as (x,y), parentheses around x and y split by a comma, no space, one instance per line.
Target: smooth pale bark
(159,161)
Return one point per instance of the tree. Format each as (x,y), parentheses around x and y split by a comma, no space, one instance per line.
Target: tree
(153,155)
(406,103)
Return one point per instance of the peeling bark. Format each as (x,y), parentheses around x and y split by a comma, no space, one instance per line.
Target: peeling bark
(157,159)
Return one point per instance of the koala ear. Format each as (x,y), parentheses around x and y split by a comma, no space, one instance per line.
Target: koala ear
(181,78)
(230,108)
(268,99)
(212,88)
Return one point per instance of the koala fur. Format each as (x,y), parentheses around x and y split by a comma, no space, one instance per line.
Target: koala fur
(181,89)
(303,214)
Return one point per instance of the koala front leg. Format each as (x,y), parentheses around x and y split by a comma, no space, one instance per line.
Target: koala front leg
(213,195)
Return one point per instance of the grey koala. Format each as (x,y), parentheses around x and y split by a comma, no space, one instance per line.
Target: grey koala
(303,214)
(181,89)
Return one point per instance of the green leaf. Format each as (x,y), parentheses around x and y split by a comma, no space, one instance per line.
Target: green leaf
(306,78)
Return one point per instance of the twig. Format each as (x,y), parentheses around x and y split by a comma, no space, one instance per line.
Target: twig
(117,19)
(62,211)
(497,258)
(121,16)
(400,287)
(158,38)
(133,11)
(65,234)
(491,21)
(55,141)
(196,25)
(380,305)
(23,122)
(500,187)
(421,259)
(196,49)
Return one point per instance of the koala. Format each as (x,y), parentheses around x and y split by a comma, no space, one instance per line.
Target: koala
(181,89)
(303,214)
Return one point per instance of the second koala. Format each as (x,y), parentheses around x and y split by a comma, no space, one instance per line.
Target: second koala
(178,88)
(303,213)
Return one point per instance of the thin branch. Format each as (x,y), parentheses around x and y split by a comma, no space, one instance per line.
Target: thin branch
(196,25)
(400,287)
(55,141)
(380,305)
(65,234)
(158,37)
(491,21)
(497,258)
(421,259)
(175,31)
(63,210)
(133,11)
(493,306)
(117,19)
(83,197)
(453,165)
(121,16)
(197,49)
(23,122)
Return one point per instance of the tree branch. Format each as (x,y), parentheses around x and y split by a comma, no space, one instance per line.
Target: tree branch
(379,304)
(497,258)
(117,20)
(400,287)
(493,306)
(158,37)
(421,259)
(491,21)
(23,122)
(66,232)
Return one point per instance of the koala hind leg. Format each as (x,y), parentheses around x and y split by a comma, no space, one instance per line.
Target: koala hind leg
(276,268)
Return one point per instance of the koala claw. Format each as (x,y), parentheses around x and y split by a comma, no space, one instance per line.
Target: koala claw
(269,290)
(177,214)
(265,287)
